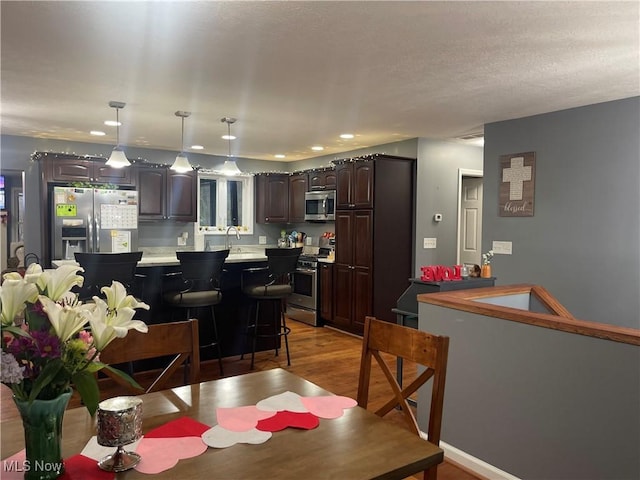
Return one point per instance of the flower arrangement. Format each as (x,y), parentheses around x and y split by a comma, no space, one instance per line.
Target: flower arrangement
(51,340)
(486,257)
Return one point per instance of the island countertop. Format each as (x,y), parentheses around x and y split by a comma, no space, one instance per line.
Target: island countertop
(169,260)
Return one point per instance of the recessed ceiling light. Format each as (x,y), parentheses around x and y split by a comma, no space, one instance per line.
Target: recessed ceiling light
(97,133)
(279,155)
(347,135)
(228,137)
(112,123)
(317,148)
(197,147)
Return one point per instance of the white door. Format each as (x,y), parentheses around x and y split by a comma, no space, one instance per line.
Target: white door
(470,218)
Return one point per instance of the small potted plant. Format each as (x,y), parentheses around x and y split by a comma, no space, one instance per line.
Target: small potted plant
(485,271)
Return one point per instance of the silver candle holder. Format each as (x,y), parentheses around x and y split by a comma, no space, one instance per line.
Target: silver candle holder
(119,424)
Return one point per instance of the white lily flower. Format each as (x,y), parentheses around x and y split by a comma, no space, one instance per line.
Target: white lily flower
(107,326)
(57,282)
(33,273)
(66,320)
(14,293)
(118,298)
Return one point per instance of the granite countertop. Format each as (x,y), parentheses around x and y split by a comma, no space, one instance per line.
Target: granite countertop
(168,260)
(326,260)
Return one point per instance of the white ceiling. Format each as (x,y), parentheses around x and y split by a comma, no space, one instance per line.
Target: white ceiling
(297,74)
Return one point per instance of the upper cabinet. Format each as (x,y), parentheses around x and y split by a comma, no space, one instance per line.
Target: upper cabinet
(322,179)
(280,197)
(354,184)
(272,198)
(298,186)
(167,195)
(72,169)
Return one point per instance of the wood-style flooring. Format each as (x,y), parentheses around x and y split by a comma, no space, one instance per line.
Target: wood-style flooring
(327,357)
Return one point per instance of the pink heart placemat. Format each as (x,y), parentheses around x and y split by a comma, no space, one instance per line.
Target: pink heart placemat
(241,419)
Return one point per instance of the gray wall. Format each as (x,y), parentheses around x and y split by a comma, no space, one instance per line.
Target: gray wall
(437,192)
(16,155)
(536,402)
(583,242)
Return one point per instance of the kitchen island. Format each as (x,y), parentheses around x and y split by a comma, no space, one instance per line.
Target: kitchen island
(156,274)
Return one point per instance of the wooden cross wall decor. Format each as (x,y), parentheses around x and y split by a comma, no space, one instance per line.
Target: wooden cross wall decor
(517,184)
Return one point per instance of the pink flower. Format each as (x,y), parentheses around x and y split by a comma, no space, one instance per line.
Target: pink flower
(86,337)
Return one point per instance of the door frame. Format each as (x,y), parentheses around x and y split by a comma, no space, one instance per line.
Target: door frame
(463,172)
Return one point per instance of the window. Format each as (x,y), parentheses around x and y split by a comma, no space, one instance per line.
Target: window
(224,201)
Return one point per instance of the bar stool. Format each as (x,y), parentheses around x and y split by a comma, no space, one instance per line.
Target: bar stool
(201,273)
(272,283)
(100,269)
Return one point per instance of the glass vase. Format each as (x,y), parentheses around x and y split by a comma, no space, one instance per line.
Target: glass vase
(42,422)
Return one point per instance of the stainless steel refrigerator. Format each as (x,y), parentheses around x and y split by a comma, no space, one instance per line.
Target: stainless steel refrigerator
(93,220)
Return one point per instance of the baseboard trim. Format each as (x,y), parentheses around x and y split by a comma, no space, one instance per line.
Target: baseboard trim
(474,465)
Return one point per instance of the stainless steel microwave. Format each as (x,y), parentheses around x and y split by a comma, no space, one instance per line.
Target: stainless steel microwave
(320,206)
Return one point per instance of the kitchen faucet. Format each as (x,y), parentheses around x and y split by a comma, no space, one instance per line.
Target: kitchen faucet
(227,243)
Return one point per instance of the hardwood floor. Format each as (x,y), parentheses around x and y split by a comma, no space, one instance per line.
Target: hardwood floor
(327,357)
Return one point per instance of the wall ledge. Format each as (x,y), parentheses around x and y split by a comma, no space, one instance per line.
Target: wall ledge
(560,318)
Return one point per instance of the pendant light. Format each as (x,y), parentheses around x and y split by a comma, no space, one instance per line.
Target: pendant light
(117,159)
(229,166)
(181,163)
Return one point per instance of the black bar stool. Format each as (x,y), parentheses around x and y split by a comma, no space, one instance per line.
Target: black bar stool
(201,273)
(100,269)
(272,283)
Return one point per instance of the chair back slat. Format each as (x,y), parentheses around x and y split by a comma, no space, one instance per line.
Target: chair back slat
(177,339)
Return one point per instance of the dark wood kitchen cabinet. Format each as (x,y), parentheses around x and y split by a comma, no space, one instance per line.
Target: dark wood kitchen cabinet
(72,169)
(354,184)
(298,186)
(164,194)
(272,198)
(374,244)
(353,269)
(326,291)
(322,179)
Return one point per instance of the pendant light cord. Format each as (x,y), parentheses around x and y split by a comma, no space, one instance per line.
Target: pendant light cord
(182,134)
(117,127)
(229,138)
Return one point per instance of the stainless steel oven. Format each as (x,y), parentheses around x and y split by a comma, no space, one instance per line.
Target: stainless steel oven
(302,304)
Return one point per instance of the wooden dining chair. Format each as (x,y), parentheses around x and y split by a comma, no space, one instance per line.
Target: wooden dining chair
(176,340)
(430,351)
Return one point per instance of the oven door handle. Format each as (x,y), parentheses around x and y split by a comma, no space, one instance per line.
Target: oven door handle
(306,270)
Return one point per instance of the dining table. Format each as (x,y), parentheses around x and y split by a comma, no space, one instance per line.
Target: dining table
(356,445)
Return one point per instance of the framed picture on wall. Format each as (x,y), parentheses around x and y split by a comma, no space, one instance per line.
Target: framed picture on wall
(517,184)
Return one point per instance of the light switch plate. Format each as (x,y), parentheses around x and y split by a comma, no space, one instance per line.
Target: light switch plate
(309,240)
(429,243)
(262,240)
(501,248)
(182,241)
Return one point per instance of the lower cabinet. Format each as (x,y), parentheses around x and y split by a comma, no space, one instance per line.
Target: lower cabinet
(352,297)
(326,292)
